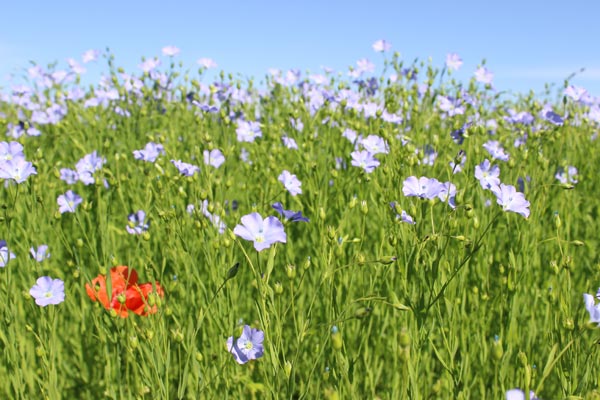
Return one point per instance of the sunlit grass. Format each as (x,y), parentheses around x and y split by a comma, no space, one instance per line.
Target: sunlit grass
(469,302)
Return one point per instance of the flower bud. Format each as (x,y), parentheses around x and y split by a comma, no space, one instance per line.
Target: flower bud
(322,214)
(353,202)
(278,289)
(364,208)
(557,222)
(307,263)
(497,350)
(336,338)
(404,339)
(291,271)
(288,369)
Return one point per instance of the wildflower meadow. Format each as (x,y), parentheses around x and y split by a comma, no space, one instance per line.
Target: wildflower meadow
(384,232)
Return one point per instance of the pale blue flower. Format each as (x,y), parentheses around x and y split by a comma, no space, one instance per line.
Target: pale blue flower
(137,223)
(291,183)
(150,152)
(68,202)
(5,254)
(487,174)
(249,346)
(214,158)
(365,160)
(511,200)
(40,254)
(453,61)
(48,291)
(263,232)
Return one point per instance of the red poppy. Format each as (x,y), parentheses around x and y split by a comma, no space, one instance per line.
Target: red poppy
(126,294)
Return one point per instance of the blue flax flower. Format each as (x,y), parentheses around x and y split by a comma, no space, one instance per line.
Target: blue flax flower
(403,216)
(68,202)
(518,394)
(496,150)
(289,215)
(567,176)
(364,160)
(17,169)
(137,223)
(150,152)
(5,254)
(48,291)
(41,253)
(214,157)
(487,174)
(263,232)
(185,168)
(423,187)
(291,182)
(592,308)
(511,200)
(249,346)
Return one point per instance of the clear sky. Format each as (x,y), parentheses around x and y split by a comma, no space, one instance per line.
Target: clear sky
(526,43)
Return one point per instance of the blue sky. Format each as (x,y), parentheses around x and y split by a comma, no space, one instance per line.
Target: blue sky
(525,43)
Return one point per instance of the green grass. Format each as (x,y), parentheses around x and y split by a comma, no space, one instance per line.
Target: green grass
(477,302)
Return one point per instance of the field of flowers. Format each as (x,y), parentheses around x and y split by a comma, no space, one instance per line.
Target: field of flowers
(355,235)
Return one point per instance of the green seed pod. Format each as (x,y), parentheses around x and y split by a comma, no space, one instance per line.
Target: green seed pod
(557,221)
(291,271)
(288,369)
(404,339)
(336,338)
(353,202)
(497,350)
(278,289)
(307,263)
(322,214)
(364,208)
